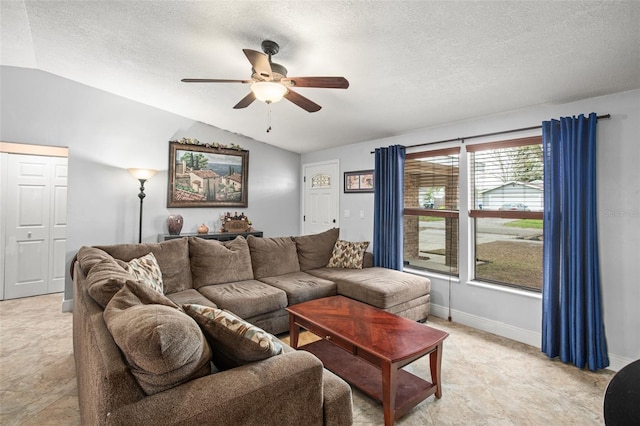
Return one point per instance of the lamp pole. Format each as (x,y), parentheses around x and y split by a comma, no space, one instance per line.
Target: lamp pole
(142,175)
(141,195)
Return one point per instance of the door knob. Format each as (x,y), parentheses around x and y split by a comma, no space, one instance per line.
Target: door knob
(334,221)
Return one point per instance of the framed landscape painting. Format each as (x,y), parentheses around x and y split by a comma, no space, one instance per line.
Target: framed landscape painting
(206,176)
(360,181)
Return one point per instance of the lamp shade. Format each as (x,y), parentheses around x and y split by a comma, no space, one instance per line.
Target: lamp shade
(268,91)
(143,174)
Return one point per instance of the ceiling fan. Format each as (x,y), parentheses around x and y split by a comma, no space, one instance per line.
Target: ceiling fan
(269,81)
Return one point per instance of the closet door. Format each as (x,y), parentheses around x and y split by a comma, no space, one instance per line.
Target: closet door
(57,225)
(35,226)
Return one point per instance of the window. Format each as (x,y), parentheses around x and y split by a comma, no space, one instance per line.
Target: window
(506,199)
(431,198)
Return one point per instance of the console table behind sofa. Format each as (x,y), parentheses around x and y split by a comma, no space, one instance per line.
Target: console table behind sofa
(221,236)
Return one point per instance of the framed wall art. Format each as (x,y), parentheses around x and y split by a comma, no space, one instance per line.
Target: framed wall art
(359,181)
(207,175)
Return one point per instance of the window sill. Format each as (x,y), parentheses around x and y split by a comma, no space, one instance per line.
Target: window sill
(506,289)
(431,274)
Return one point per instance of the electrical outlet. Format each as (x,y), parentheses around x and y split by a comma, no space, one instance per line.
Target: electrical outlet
(361,214)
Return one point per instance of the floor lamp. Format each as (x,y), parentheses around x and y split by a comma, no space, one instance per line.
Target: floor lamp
(142,175)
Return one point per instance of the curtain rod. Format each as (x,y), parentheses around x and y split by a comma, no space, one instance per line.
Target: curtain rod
(503,132)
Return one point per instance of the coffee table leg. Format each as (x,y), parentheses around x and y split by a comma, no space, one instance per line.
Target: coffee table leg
(389,388)
(435,362)
(294,332)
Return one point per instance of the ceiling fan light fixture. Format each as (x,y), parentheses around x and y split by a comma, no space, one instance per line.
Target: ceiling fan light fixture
(268,91)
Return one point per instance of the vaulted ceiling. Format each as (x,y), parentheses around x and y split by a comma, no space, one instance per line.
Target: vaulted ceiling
(410,64)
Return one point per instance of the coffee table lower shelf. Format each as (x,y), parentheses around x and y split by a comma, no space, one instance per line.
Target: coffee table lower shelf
(410,389)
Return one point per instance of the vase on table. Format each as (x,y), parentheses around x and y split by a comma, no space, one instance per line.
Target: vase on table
(203,229)
(174,223)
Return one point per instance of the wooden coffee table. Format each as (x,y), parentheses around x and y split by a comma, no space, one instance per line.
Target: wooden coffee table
(360,341)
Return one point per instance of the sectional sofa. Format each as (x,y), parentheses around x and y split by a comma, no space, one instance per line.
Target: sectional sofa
(182,331)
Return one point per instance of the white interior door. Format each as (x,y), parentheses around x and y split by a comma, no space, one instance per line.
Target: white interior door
(321,196)
(35,225)
(57,225)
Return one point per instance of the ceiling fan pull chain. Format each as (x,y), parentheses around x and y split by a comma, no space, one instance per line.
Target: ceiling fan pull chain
(269,120)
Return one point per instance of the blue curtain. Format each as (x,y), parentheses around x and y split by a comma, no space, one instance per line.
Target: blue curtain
(388,205)
(572,326)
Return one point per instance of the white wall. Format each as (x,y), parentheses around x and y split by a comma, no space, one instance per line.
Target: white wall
(517,314)
(106,134)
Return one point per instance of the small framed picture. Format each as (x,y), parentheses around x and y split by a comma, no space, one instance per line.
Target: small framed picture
(359,181)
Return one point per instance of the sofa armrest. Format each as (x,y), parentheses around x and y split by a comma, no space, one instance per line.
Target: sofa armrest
(284,389)
(367,261)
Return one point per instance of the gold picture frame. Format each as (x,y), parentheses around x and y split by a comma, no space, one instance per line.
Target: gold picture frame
(207,176)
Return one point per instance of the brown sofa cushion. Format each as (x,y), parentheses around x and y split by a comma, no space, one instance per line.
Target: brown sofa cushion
(300,286)
(216,262)
(105,279)
(172,257)
(190,296)
(163,346)
(380,287)
(246,298)
(314,251)
(235,342)
(271,257)
(348,255)
(88,257)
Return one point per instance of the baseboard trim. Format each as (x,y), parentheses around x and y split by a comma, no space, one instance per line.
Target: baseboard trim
(67,305)
(510,332)
(501,329)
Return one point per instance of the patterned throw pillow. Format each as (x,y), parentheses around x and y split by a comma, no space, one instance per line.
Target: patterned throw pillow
(234,342)
(146,270)
(348,255)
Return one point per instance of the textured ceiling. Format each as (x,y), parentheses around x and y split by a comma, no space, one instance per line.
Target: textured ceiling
(410,64)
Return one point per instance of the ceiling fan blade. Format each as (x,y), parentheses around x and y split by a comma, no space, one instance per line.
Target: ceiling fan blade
(259,62)
(304,103)
(323,82)
(213,80)
(246,101)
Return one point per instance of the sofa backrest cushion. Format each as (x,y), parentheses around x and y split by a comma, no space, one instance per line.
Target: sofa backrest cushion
(234,341)
(172,257)
(88,257)
(271,257)
(216,262)
(163,346)
(105,279)
(314,251)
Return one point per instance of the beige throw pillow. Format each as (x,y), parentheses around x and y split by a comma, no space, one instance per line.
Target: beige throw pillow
(234,341)
(348,255)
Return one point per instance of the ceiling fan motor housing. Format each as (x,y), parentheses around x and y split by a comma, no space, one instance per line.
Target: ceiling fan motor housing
(270,47)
